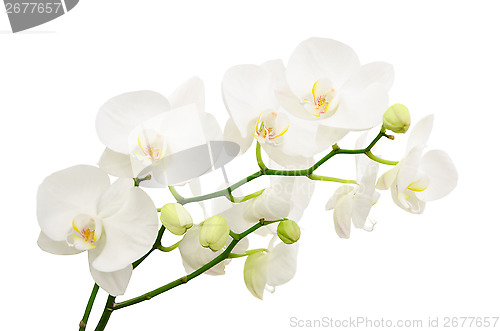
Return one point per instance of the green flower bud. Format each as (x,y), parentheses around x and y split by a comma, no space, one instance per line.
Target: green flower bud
(397,118)
(176,218)
(214,233)
(288,231)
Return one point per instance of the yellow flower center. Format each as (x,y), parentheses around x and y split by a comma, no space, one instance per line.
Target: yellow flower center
(150,152)
(270,126)
(86,232)
(323,99)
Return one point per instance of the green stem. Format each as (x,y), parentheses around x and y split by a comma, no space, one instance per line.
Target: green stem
(137,181)
(272,172)
(234,235)
(176,194)
(247,253)
(155,246)
(331,179)
(258,155)
(380,160)
(183,280)
(247,197)
(88,309)
(106,314)
(244,198)
(222,192)
(169,248)
(110,305)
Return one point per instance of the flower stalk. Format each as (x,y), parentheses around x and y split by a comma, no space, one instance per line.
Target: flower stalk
(226,254)
(221,257)
(88,309)
(106,314)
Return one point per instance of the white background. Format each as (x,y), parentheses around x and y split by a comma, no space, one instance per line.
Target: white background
(445,262)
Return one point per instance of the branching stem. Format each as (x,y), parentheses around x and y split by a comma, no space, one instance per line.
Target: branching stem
(263,171)
(221,257)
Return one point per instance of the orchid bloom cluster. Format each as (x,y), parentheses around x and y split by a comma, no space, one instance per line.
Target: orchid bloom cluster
(297,114)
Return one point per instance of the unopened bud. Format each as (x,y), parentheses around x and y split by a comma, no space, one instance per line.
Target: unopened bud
(255,273)
(176,218)
(214,233)
(288,231)
(397,118)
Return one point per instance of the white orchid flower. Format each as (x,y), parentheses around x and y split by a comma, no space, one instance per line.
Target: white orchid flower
(419,177)
(327,86)
(78,210)
(266,270)
(194,256)
(352,203)
(249,94)
(146,133)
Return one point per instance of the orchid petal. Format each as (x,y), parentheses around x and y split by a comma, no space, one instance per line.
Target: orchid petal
(115,283)
(120,115)
(408,169)
(340,193)
(235,217)
(442,174)
(172,169)
(410,202)
(387,179)
(55,247)
(365,196)
(211,127)
(420,133)
(115,197)
(182,127)
(255,273)
(301,139)
(367,171)
(292,103)
(277,70)
(282,264)
(317,58)
(194,256)
(342,215)
(247,91)
(327,136)
(116,164)
(183,134)
(371,73)
(277,154)
(361,141)
(191,91)
(231,133)
(242,246)
(130,233)
(359,109)
(302,192)
(272,204)
(362,204)
(66,194)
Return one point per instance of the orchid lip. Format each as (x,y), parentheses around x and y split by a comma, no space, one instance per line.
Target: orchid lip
(270,127)
(85,232)
(323,99)
(150,150)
